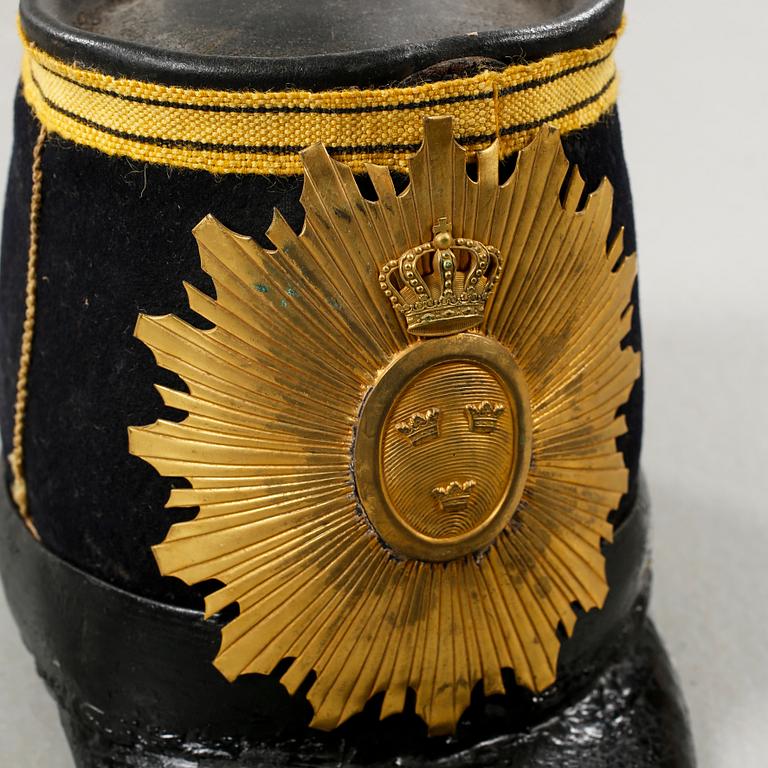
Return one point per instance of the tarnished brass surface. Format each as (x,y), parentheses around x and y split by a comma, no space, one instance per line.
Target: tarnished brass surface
(392,511)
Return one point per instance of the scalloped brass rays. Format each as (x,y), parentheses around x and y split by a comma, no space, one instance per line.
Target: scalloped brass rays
(401,429)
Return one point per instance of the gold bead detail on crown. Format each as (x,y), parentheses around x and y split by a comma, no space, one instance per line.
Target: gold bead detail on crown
(441,287)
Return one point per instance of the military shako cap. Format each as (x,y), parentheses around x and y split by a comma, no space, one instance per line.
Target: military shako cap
(321,386)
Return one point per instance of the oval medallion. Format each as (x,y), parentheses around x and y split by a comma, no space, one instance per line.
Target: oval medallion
(442,449)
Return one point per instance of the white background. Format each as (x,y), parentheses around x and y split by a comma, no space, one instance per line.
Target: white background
(694,104)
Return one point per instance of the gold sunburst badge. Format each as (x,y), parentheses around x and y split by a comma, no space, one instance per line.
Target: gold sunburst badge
(401,429)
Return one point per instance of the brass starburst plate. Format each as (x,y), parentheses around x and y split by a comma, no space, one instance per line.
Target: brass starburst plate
(401,428)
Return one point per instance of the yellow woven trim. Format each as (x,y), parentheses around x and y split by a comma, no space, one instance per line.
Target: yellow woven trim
(263,132)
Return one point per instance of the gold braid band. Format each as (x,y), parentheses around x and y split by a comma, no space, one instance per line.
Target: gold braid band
(263,132)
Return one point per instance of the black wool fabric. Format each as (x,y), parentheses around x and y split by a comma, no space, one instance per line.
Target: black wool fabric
(115,241)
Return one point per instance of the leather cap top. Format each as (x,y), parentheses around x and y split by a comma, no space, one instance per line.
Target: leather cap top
(330,43)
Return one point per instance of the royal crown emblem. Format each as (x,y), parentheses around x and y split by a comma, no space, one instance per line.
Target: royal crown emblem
(420,427)
(454,497)
(442,286)
(484,417)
